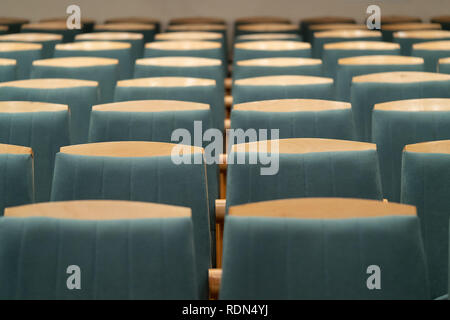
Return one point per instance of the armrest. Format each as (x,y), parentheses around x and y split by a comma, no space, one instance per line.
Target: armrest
(215,278)
(228,101)
(220,210)
(223,162)
(228,83)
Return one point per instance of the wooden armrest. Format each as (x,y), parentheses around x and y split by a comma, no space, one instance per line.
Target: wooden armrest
(215,277)
(228,101)
(223,162)
(228,83)
(227,124)
(220,210)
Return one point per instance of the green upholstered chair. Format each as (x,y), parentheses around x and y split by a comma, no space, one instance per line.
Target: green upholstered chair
(431,52)
(102,49)
(79,95)
(271,49)
(13,24)
(307,167)
(347,68)
(57,27)
(444,65)
(118,249)
(23,53)
(330,249)
(205,68)
(282,87)
(44,127)
(140,20)
(211,27)
(368,90)
(333,27)
(276,67)
(87,25)
(407,39)
(296,118)
(444,21)
(267,28)
(426,185)
(268,37)
(396,18)
(196,20)
(323,37)
(398,123)
(332,52)
(140,171)
(103,70)
(388,29)
(47,40)
(305,24)
(147,30)
(135,39)
(16,176)
(174,88)
(8,70)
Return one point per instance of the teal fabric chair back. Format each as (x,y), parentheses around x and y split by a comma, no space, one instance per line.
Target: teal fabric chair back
(47,40)
(268,37)
(426,185)
(103,70)
(277,66)
(444,65)
(102,49)
(147,30)
(396,124)
(44,127)
(388,30)
(271,27)
(323,37)
(347,68)
(136,252)
(8,70)
(305,24)
(271,49)
(195,27)
(79,95)
(368,90)
(444,21)
(333,27)
(295,118)
(328,249)
(431,52)
(174,88)
(23,53)
(133,20)
(306,168)
(332,52)
(16,176)
(282,87)
(87,25)
(13,25)
(55,27)
(259,20)
(140,171)
(407,39)
(204,68)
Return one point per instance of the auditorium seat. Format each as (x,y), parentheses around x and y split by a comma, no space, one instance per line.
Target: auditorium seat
(140,20)
(3,29)
(398,123)
(267,36)
(218,28)
(332,52)
(296,118)
(174,88)
(196,20)
(327,248)
(261,19)
(426,185)
(307,167)
(406,39)
(368,90)
(282,87)
(102,49)
(431,52)
(323,37)
(396,18)
(147,30)
(79,95)
(388,29)
(13,24)
(8,70)
(140,171)
(23,53)
(337,26)
(118,249)
(57,27)
(277,66)
(347,68)
(16,176)
(444,65)
(44,127)
(444,21)
(306,23)
(87,25)
(271,49)
(266,28)
(47,40)
(103,70)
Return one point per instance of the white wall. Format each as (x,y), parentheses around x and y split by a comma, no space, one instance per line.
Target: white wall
(228,9)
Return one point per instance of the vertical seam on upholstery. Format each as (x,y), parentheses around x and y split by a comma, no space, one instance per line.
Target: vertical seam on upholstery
(20,257)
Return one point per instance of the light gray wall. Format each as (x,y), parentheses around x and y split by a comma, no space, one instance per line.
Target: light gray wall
(228,9)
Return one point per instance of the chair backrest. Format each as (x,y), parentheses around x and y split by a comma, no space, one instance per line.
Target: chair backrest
(146,29)
(13,24)
(292,168)
(444,65)
(407,38)
(83,242)
(140,171)
(431,52)
(306,23)
(391,19)
(271,49)
(326,248)
(8,69)
(425,184)
(197,20)
(267,36)
(398,123)
(190,35)
(47,40)
(389,29)
(140,20)
(44,127)
(16,176)
(266,28)
(261,19)
(208,27)
(58,27)
(23,53)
